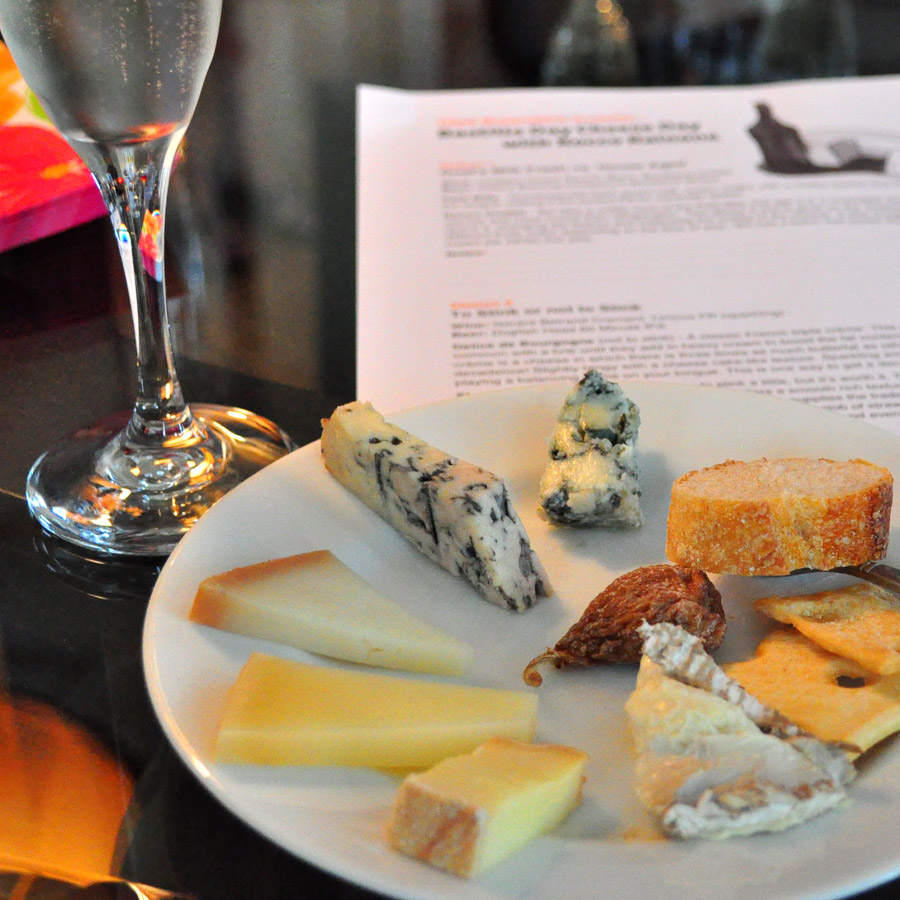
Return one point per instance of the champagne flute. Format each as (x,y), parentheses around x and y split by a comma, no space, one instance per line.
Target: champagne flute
(120,79)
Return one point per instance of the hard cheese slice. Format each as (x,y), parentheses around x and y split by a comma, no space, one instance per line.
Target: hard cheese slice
(471,811)
(314,602)
(860,622)
(281,712)
(457,513)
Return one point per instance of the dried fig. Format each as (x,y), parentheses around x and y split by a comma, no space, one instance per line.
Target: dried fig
(608,629)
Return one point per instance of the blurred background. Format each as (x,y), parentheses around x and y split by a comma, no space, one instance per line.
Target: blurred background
(261,239)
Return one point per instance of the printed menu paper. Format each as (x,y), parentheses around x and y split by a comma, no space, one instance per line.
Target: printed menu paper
(743,237)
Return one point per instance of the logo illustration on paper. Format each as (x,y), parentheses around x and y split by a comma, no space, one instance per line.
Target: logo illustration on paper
(787,151)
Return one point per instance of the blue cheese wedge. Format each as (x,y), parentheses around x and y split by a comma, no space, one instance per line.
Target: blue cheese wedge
(592,477)
(457,513)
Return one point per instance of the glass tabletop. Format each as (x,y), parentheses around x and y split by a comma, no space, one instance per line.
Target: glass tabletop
(91,788)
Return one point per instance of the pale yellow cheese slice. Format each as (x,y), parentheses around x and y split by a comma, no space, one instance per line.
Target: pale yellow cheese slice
(282,712)
(471,811)
(829,696)
(860,622)
(316,603)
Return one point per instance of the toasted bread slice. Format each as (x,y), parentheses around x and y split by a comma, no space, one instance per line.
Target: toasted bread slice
(859,622)
(773,516)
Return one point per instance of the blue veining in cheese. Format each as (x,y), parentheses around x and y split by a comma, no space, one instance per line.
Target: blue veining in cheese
(455,512)
(592,477)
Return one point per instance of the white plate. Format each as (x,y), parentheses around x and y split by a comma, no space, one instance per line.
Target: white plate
(335,818)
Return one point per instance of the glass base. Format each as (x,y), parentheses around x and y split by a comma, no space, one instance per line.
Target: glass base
(85,490)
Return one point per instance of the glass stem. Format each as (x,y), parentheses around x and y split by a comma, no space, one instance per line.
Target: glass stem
(134,180)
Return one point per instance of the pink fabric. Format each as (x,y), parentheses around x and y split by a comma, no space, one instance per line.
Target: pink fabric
(44,186)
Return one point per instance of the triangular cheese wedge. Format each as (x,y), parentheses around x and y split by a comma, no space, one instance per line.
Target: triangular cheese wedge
(471,811)
(713,762)
(314,602)
(282,712)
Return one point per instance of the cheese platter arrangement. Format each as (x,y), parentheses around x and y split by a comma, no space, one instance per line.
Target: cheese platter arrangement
(344,813)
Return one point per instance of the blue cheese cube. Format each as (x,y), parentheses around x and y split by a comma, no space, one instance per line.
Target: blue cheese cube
(457,513)
(593,477)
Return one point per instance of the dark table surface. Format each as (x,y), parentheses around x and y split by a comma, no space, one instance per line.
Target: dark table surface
(70,626)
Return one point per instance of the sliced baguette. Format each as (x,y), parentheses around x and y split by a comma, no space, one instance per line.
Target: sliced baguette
(773,516)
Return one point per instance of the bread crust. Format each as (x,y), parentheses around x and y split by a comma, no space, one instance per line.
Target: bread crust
(774,516)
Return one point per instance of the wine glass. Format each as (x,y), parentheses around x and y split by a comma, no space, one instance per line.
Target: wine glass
(592,45)
(120,79)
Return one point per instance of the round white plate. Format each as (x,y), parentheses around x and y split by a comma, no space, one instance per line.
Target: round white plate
(335,818)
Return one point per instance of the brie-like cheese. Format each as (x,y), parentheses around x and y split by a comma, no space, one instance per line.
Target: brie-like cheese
(705,768)
(592,477)
(455,512)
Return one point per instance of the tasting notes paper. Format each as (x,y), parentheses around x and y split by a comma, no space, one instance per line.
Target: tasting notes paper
(743,237)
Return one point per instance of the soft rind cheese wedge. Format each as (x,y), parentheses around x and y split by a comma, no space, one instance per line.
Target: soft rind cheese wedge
(288,713)
(314,602)
(713,762)
(469,812)
(592,477)
(456,513)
